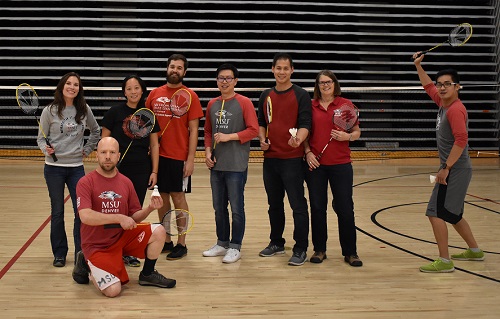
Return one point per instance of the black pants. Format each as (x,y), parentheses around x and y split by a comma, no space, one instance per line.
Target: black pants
(282,175)
(340,178)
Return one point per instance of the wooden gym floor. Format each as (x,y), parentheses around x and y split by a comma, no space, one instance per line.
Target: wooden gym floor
(394,239)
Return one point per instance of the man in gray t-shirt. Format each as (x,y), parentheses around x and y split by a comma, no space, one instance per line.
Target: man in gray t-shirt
(230,125)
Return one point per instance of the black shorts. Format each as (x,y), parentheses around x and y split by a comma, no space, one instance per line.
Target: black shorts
(170,176)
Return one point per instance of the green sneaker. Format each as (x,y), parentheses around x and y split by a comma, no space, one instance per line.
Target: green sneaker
(469,255)
(438,266)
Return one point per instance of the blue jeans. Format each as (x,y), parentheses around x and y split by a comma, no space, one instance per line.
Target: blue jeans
(229,187)
(282,175)
(56,177)
(340,178)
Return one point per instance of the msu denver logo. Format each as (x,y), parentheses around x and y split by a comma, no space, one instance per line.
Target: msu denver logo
(223,115)
(109,195)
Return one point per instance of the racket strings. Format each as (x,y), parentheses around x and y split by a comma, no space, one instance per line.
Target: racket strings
(28,100)
(141,123)
(346,117)
(177,222)
(180,103)
(459,35)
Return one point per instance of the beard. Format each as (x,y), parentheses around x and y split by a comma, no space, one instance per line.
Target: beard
(174,78)
(107,167)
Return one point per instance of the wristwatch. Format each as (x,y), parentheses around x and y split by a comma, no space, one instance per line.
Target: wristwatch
(445,166)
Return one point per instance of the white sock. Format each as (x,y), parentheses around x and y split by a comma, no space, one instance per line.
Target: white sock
(446,261)
(475,250)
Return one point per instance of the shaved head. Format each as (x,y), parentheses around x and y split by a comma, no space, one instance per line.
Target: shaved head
(108,154)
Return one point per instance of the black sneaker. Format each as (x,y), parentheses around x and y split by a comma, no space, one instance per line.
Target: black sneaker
(156,279)
(178,252)
(81,270)
(272,250)
(59,262)
(167,247)
(131,261)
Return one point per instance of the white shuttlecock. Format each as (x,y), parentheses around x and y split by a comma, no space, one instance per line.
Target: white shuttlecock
(155,191)
(432,179)
(293,132)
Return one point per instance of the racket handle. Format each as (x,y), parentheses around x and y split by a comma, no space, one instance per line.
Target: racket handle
(112,226)
(421,53)
(108,226)
(54,157)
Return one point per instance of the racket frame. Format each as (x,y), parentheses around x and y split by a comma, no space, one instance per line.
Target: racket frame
(467,25)
(269,111)
(336,126)
(35,109)
(146,135)
(175,114)
(212,156)
(167,221)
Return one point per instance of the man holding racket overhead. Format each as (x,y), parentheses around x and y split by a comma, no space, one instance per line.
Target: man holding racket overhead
(282,107)
(105,196)
(178,111)
(231,123)
(446,204)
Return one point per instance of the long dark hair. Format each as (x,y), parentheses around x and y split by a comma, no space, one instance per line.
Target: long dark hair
(79,101)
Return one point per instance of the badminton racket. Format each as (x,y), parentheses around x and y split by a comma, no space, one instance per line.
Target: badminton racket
(176,222)
(180,102)
(458,36)
(221,112)
(269,114)
(139,125)
(27,99)
(344,119)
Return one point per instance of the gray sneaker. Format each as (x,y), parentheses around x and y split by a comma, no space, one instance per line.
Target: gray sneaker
(298,258)
(272,250)
(156,279)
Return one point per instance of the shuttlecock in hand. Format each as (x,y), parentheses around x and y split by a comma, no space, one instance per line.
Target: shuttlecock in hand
(432,178)
(155,191)
(293,132)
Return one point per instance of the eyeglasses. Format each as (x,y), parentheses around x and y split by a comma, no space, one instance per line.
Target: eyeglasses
(325,82)
(445,84)
(228,79)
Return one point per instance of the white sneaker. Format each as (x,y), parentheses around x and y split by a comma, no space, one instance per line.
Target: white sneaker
(232,255)
(215,251)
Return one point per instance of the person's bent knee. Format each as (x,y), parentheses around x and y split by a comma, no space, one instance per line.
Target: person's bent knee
(113,290)
(449,217)
(159,234)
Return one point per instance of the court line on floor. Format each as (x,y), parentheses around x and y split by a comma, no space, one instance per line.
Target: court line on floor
(13,260)
(373,218)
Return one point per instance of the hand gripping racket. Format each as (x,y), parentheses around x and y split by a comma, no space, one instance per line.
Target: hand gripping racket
(176,222)
(138,125)
(27,99)
(221,112)
(269,113)
(344,119)
(180,102)
(458,36)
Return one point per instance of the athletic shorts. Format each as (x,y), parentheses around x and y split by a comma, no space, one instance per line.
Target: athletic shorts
(447,201)
(171,176)
(107,267)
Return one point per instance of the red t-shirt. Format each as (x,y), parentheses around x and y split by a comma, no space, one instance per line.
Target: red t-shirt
(338,152)
(174,143)
(114,195)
